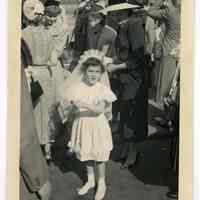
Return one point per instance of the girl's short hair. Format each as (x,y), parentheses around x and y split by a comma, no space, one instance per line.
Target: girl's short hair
(93,62)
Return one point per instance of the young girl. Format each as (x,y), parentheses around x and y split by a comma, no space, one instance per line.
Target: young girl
(91,138)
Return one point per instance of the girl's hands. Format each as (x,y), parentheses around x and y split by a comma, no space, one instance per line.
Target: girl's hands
(96,108)
(77,105)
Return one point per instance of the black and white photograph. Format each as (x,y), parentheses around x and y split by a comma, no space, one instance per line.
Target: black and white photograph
(100,99)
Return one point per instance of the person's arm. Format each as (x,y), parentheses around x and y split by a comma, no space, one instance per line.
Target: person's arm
(150,39)
(115,67)
(105,48)
(150,35)
(157,13)
(95,108)
(107,38)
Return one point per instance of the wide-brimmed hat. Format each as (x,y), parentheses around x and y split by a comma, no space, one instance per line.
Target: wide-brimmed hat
(117,7)
(31,8)
(102,3)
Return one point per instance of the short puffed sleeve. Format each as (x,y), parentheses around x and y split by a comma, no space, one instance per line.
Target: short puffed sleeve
(106,94)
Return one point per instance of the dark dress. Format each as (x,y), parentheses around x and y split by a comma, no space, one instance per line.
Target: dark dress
(133,93)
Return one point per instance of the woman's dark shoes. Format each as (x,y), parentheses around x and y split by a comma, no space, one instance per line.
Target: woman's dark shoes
(161,122)
(164,123)
(123,154)
(131,162)
(69,153)
(172,195)
(49,162)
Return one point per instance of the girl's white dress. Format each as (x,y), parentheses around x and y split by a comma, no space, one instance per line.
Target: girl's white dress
(91,137)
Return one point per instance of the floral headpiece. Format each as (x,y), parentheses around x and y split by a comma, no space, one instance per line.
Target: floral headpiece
(93,53)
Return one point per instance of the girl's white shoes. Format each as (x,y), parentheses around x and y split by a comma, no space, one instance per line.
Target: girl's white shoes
(101,190)
(84,190)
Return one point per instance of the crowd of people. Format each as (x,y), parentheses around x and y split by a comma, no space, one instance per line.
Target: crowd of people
(92,76)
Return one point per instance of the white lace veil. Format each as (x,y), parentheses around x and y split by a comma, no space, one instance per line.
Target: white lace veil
(77,76)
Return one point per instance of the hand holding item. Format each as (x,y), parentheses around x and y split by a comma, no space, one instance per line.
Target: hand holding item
(175,52)
(65,108)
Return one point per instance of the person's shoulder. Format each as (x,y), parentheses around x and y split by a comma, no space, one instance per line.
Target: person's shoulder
(135,20)
(26,29)
(27,33)
(110,29)
(108,33)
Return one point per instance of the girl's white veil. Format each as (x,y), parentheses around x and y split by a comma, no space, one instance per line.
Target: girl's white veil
(77,75)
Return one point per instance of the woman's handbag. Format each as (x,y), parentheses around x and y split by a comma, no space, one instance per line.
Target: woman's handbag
(36,90)
(157,50)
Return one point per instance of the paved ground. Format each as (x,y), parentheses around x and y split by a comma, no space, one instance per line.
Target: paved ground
(151,179)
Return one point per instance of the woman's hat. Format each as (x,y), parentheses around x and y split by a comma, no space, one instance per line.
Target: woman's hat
(52,11)
(117,7)
(52,3)
(95,11)
(31,8)
(102,3)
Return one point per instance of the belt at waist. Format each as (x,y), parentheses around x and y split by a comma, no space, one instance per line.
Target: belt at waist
(87,114)
(40,66)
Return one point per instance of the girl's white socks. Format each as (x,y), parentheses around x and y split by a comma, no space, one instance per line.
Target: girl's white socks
(88,185)
(101,189)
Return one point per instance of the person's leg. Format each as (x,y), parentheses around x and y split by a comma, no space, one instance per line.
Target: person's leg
(101,189)
(91,180)
(128,131)
(132,155)
(124,117)
(136,124)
